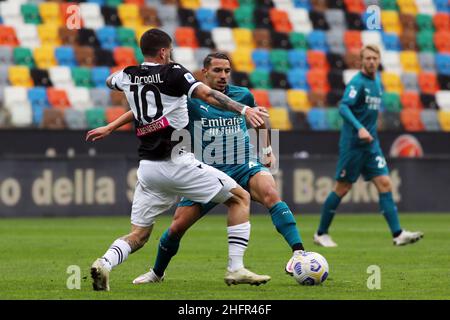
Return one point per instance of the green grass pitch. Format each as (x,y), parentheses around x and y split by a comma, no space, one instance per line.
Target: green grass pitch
(35,255)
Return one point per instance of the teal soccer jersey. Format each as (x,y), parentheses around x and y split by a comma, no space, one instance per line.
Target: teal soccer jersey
(362,96)
(220,138)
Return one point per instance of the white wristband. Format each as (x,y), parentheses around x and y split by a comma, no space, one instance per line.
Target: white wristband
(244,109)
(267,150)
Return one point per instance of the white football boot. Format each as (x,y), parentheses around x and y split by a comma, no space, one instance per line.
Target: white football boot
(407,237)
(244,276)
(324,240)
(149,277)
(100,275)
(289,265)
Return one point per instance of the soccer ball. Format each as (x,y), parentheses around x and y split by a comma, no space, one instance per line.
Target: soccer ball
(310,268)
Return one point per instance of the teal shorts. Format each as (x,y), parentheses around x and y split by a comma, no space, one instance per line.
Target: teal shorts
(241,173)
(355,162)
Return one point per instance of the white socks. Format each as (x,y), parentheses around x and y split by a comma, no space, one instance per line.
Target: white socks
(238,237)
(116,254)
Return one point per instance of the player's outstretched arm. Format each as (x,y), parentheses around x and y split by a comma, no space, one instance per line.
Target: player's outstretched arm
(102,132)
(218,99)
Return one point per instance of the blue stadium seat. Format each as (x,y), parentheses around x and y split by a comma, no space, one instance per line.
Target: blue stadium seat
(391,41)
(317,119)
(297,79)
(99,75)
(107,37)
(317,40)
(65,56)
(261,59)
(207,19)
(38,96)
(99,2)
(442,5)
(443,63)
(38,113)
(302,4)
(297,59)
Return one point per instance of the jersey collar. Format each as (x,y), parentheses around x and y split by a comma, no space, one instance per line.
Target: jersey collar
(150,64)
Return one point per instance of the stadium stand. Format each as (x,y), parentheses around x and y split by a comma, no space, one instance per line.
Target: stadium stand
(295,55)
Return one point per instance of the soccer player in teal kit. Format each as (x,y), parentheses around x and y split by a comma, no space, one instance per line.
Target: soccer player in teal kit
(360,152)
(243,166)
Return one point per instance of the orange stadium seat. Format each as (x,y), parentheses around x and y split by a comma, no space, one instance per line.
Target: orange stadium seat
(411,120)
(112,113)
(139,3)
(280,20)
(317,60)
(442,41)
(355,6)
(8,36)
(58,98)
(318,80)
(353,40)
(124,56)
(428,82)
(229,4)
(185,37)
(261,97)
(441,21)
(411,100)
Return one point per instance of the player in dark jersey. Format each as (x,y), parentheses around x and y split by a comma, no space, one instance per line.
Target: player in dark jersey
(360,152)
(156,92)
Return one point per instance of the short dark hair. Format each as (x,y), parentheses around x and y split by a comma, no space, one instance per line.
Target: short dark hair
(215,55)
(152,40)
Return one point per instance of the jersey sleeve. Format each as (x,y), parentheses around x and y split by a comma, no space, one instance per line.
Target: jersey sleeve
(117,81)
(183,80)
(352,93)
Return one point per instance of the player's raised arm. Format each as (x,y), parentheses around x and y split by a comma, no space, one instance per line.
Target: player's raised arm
(218,99)
(102,132)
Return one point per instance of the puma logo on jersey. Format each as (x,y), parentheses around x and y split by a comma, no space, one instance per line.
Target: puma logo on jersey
(176,67)
(367,90)
(204,108)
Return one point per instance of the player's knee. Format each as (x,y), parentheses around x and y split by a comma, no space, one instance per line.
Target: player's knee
(342,189)
(176,230)
(270,197)
(241,197)
(140,238)
(384,184)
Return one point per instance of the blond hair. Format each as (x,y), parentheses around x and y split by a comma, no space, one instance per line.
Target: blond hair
(371,47)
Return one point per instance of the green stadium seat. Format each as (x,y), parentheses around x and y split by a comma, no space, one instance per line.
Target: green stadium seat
(392,102)
(389,5)
(23,56)
(95,117)
(244,17)
(126,37)
(298,40)
(82,77)
(334,119)
(113,3)
(247,3)
(279,60)
(30,13)
(260,79)
(424,22)
(138,54)
(425,41)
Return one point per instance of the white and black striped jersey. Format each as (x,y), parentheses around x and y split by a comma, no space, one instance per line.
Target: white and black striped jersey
(157,96)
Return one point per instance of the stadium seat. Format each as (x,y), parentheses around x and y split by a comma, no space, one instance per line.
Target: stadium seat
(81,77)
(16,102)
(49,34)
(317,60)
(242,79)
(262,17)
(229,4)
(79,98)
(225,18)
(391,41)
(58,98)
(261,59)
(244,18)
(150,16)
(430,120)
(318,20)
(87,37)
(124,56)
(107,37)
(428,82)
(20,76)
(407,6)
(352,40)
(280,20)
(126,37)
(206,19)
(224,40)
(424,22)
(354,21)
(129,15)
(335,19)
(10,13)
(391,82)
(6,56)
(69,37)
(100,96)
(91,15)
(38,96)
(279,118)
(279,80)
(425,41)
(318,80)
(280,40)
(53,119)
(50,12)
(110,15)
(429,101)
(243,38)
(99,75)
(298,100)
(425,7)
(318,98)
(298,79)
(411,100)
(262,38)
(390,21)
(261,97)
(95,117)
(442,63)
(409,80)
(187,18)
(444,120)
(113,113)
(335,41)
(205,39)
(22,56)
(336,61)
(41,77)
(299,120)
(391,102)
(185,37)
(317,119)
(334,119)
(336,79)
(427,63)
(444,81)
(297,59)
(30,13)
(298,40)
(408,40)
(242,60)
(8,36)
(260,79)
(277,97)
(185,56)
(279,60)
(443,99)
(391,121)
(441,21)
(353,61)
(317,40)
(85,56)
(75,119)
(44,57)
(411,120)
(408,21)
(442,41)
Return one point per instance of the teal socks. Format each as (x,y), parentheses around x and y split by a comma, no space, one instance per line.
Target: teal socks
(284,222)
(328,211)
(168,247)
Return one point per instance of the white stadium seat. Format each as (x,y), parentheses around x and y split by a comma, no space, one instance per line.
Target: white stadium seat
(443,99)
(61,77)
(300,20)
(79,98)
(223,38)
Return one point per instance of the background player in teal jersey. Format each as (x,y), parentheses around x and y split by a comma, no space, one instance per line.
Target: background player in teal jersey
(360,152)
(246,170)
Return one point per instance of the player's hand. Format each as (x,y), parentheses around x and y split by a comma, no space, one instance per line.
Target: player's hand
(364,135)
(255,116)
(269,160)
(98,133)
